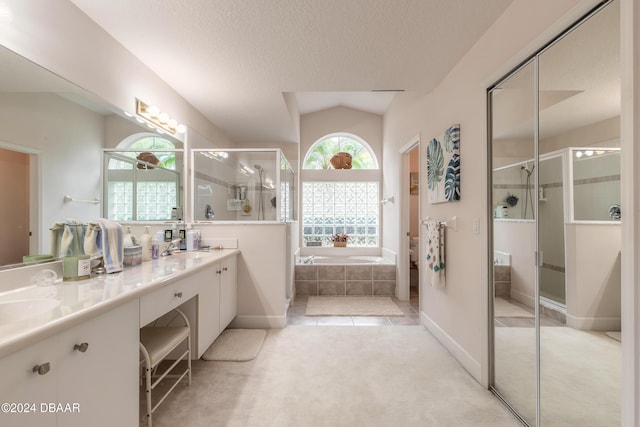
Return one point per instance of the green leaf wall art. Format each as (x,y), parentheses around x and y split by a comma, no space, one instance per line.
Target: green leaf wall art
(443,166)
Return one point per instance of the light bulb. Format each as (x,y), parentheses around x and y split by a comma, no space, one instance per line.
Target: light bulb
(163,117)
(181,128)
(589,152)
(578,154)
(153,111)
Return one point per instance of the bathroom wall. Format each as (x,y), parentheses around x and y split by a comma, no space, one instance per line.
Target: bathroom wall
(264,270)
(593,276)
(457,314)
(518,238)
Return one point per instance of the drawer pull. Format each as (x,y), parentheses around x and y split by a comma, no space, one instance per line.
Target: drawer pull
(81,347)
(218,271)
(178,294)
(42,369)
(224,268)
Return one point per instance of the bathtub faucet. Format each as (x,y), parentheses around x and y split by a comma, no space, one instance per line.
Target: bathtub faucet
(308,260)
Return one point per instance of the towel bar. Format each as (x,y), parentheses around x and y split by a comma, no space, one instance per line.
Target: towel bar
(451,223)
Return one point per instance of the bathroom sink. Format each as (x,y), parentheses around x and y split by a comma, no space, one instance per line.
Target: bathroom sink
(21,313)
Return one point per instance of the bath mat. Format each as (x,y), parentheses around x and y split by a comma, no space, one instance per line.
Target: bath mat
(615,335)
(236,345)
(503,308)
(352,306)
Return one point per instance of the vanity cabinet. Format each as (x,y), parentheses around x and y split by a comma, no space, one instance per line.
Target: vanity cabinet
(59,377)
(216,303)
(228,291)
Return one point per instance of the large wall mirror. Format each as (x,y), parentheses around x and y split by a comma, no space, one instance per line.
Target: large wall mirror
(52,137)
(555,203)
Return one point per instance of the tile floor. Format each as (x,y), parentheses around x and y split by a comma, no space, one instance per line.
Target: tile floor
(296,315)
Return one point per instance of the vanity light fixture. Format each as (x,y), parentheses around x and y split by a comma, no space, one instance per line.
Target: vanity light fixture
(158,119)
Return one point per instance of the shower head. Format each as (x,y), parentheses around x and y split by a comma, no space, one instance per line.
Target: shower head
(257,167)
(525,167)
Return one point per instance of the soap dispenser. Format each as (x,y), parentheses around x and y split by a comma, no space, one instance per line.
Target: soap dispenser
(145,242)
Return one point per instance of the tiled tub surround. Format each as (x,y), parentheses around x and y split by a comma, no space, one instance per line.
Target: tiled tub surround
(348,279)
(502,280)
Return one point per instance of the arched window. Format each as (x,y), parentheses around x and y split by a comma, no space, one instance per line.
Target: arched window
(320,154)
(146,190)
(340,202)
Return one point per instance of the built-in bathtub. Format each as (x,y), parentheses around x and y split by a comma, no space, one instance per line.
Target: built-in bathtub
(349,275)
(350,260)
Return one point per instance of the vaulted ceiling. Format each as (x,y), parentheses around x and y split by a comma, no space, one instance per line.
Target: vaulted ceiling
(235,59)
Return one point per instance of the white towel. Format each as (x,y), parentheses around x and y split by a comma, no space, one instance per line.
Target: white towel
(66,238)
(435,254)
(105,237)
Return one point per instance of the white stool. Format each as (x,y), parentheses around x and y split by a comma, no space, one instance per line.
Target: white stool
(156,343)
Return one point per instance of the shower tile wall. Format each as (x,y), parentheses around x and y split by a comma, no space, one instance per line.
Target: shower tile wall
(350,280)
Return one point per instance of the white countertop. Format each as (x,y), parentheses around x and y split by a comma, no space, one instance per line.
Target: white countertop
(74,302)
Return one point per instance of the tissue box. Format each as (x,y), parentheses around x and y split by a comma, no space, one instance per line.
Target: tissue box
(132,255)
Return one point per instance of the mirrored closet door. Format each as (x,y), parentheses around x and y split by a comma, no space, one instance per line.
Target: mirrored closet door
(555,201)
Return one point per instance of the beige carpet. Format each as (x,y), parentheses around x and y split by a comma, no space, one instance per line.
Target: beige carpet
(503,308)
(236,345)
(580,375)
(352,306)
(337,376)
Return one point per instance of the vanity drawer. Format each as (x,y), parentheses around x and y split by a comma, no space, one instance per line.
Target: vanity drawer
(156,304)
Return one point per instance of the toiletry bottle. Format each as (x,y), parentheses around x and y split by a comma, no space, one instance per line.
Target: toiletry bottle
(182,234)
(128,238)
(155,247)
(190,236)
(145,242)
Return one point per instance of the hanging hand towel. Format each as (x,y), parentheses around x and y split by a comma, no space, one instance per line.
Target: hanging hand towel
(105,237)
(66,238)
(435,254)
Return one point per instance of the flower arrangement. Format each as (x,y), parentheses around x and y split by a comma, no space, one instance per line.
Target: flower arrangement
(339,240)
(339,237)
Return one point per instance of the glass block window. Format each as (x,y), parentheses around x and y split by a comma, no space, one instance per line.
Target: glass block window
(142,194)
(351,208)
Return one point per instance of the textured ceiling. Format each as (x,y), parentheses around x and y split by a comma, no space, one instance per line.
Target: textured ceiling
(234,59)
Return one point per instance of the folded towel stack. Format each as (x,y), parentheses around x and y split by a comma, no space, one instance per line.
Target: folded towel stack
(67,238)
(106,237)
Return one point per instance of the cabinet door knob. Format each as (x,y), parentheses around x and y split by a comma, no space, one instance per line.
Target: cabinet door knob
(81,347)
(42,369)
(218,271)
(224,268)
(178,294)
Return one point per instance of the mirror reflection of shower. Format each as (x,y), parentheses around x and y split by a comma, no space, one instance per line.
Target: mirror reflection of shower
(528,197)
(260,190)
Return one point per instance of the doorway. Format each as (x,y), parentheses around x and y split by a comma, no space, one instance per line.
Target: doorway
(414,227)
(409,260)
(15,191)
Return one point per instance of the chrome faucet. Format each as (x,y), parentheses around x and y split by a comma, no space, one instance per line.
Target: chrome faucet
(173,245)
(308,260)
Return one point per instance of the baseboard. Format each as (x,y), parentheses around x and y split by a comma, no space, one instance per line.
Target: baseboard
(594,323)
(523,298)
(468,363)
(259,322)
